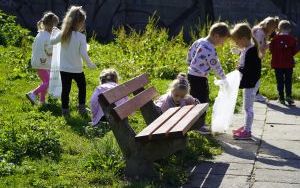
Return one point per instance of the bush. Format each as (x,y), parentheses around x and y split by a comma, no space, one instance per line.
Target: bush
(33,136)
(12,34)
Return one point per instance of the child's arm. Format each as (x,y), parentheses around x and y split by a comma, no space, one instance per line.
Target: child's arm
(55,36)
(215,64)
(84,54)
(189,56)
(48,48)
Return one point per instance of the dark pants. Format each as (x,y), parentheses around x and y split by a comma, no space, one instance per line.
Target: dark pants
(199,90)
(66,81)
(284,81)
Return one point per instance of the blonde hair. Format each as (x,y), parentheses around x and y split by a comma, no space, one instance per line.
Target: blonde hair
(108,75)
(48,21)
(180,83)
(269,22)
(219,28)
(241,30)
(75,16)
(284,25)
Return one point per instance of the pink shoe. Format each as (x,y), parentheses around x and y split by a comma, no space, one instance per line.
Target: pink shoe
(238,130)
(242,135)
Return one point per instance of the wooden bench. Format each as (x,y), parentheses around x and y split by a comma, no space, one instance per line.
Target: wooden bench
(164,135)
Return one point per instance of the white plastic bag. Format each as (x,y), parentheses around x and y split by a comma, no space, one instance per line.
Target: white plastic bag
(224,105)
(55,86)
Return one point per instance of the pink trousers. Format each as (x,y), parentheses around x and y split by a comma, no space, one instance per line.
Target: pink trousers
(42,89)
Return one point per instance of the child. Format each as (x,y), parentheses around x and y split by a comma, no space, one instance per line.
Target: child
(41,56)
(283,47)
(108,80)
(250,67)
(73,48)
(261,33)
(202,57)
(177,95)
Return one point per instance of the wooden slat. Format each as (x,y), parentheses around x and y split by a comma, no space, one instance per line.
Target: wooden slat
(130,106)
(186,123)
(146,133)
(125,89)
(166,127)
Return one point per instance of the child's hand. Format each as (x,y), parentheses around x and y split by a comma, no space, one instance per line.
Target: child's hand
(91,65)
(235,51)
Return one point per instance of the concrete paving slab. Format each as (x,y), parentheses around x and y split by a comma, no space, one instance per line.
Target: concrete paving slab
(277,164)
(274,185)
(277,176)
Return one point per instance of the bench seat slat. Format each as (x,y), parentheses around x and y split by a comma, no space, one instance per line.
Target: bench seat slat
(187,121)
(125,89)
(168,125)
(130,106)
(145,134)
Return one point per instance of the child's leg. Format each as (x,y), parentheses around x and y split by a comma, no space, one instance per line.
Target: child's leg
(44,76)
(66,82)
(280,83)
(288,82)
(81,84)
(249,98)
(199,88)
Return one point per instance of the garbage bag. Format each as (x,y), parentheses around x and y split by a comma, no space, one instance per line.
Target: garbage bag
(55,86)
(224,105)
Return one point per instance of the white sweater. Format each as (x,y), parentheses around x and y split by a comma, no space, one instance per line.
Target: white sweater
(41,51)
(73,52)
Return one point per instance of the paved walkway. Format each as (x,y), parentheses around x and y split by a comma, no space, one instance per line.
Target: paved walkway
(270,160)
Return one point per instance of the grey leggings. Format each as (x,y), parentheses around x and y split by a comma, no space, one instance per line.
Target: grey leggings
(249,98)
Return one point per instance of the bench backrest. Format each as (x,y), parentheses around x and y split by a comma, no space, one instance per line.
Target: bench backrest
(135,86)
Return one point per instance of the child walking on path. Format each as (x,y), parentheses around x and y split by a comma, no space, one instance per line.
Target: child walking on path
(202,57)
(41,56)
(261,33)
(73,50)
(177,95)
(283,47)
(108,80)
(250,67)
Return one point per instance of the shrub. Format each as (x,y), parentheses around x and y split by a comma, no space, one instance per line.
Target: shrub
(11,33)
(32,135)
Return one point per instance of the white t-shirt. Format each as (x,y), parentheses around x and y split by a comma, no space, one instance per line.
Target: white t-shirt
(41,51)
(260,37)
(202,57)
(73,52)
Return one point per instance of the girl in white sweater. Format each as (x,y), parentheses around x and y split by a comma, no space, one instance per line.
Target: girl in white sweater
(41,55)
(73,50)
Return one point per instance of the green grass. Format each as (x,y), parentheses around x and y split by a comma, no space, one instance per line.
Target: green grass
(39,148)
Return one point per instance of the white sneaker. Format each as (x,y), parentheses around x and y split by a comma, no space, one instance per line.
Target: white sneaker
(31,97)
(260,98)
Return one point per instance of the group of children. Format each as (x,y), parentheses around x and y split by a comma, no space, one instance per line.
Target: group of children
(192,88)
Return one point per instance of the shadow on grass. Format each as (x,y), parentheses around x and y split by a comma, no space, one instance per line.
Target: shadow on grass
(79,124)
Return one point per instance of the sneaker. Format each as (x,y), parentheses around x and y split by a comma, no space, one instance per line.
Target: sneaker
(290,100)
(65,112)
(281,101)
(260,98)
(238,130)
(205,130)
(31,97)
(82,109)
(242,135)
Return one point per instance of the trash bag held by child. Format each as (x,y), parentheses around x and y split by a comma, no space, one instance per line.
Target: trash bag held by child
(55,86)
(223,108)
